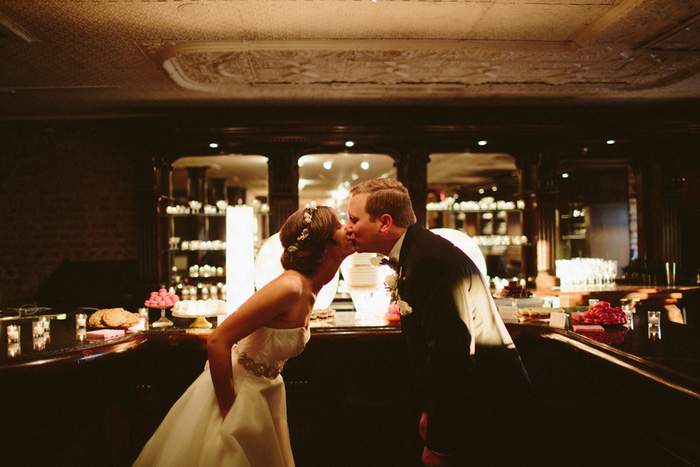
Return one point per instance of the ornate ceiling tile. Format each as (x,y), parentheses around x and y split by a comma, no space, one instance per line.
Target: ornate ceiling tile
(98,53)
(221,67)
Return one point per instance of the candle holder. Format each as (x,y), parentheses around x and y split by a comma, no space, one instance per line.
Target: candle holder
(13,332)
(38,328)
(654,325)
(143,313)
(80,320)
(654,332)
(39,343)
(654,318)
(80,334)
(14,349)
(45,323)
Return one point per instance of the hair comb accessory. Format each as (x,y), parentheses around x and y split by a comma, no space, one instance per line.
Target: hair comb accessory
(308,215)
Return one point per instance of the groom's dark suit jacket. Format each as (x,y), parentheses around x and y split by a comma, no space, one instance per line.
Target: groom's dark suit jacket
(468,399)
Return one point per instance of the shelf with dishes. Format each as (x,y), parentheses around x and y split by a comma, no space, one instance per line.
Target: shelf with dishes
(196,253)
(185,246)
(484,205)
(196,208)
(215,214)
(489,228)
(496,227)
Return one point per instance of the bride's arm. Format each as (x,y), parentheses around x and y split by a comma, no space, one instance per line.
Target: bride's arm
(274,299)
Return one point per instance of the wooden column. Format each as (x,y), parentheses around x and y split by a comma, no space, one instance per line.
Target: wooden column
(671,196)
(163,169)
(526,163)
(197,184)
(412,171)
(650,219)
(152,190)
(659,185)
(546,197)
(283,184)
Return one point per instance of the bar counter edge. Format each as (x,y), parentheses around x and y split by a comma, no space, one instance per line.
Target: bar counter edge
(343,383)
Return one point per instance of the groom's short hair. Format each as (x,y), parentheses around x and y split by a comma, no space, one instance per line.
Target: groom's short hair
(387,196)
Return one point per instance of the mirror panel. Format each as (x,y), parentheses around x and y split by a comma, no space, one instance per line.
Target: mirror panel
(328,178)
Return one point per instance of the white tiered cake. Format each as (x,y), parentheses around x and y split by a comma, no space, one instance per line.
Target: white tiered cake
(365,283)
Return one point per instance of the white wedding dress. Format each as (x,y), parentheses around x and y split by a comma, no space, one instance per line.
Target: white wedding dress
(254,432)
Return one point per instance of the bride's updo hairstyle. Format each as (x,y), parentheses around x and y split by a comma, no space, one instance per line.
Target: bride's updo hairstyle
(305,235)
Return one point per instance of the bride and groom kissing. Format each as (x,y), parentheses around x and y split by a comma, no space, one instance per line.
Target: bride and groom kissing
(467,372)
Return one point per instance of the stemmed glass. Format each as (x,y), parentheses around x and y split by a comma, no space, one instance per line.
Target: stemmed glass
(222,205)
(195,205)
(162,321)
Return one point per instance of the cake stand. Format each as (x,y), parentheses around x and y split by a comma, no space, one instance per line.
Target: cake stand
(200,321)
(162,322)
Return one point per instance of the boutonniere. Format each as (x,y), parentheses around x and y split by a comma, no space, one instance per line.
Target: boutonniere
(393,282)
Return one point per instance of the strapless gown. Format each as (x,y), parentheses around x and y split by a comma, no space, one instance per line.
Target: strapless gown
(254,432)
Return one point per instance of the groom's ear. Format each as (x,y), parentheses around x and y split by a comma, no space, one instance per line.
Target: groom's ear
(385,222)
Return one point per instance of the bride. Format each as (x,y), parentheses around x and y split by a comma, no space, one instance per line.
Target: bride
(235,413)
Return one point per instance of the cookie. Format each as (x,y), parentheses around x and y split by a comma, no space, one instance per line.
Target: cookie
(95,319)
(115,317)
(132,320)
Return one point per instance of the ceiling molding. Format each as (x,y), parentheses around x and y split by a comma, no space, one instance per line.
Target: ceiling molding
(9,28)
(79,58)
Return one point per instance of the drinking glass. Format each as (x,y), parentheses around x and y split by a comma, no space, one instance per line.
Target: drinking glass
(80,320)
(654,325)
(670,273)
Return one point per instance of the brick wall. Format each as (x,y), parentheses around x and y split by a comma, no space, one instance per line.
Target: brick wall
(67,192)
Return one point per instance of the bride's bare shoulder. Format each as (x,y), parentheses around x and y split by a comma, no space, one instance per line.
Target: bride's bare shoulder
(289,283)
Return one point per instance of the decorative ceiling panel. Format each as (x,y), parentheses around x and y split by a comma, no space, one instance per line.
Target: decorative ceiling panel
(182,52)
(224,66)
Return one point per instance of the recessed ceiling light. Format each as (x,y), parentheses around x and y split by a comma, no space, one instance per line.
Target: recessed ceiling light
(610,141)
(483,142)
(481,191)
(494,188)
(327,165)
(349,144)
(565,175)
(213,145)
(364,165)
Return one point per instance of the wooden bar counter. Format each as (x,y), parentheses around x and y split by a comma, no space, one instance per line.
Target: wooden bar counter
(613,398)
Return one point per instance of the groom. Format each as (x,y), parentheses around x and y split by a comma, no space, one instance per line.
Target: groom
(469,376)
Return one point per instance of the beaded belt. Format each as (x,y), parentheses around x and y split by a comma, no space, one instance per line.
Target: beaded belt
(258,369)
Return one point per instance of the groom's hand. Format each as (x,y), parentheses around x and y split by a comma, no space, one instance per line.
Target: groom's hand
(431,458)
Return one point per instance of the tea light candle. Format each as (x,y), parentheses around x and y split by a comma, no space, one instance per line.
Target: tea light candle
(143,313)
(654,318)
(37,329)
(80,320)
(13,332)
(80,334)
